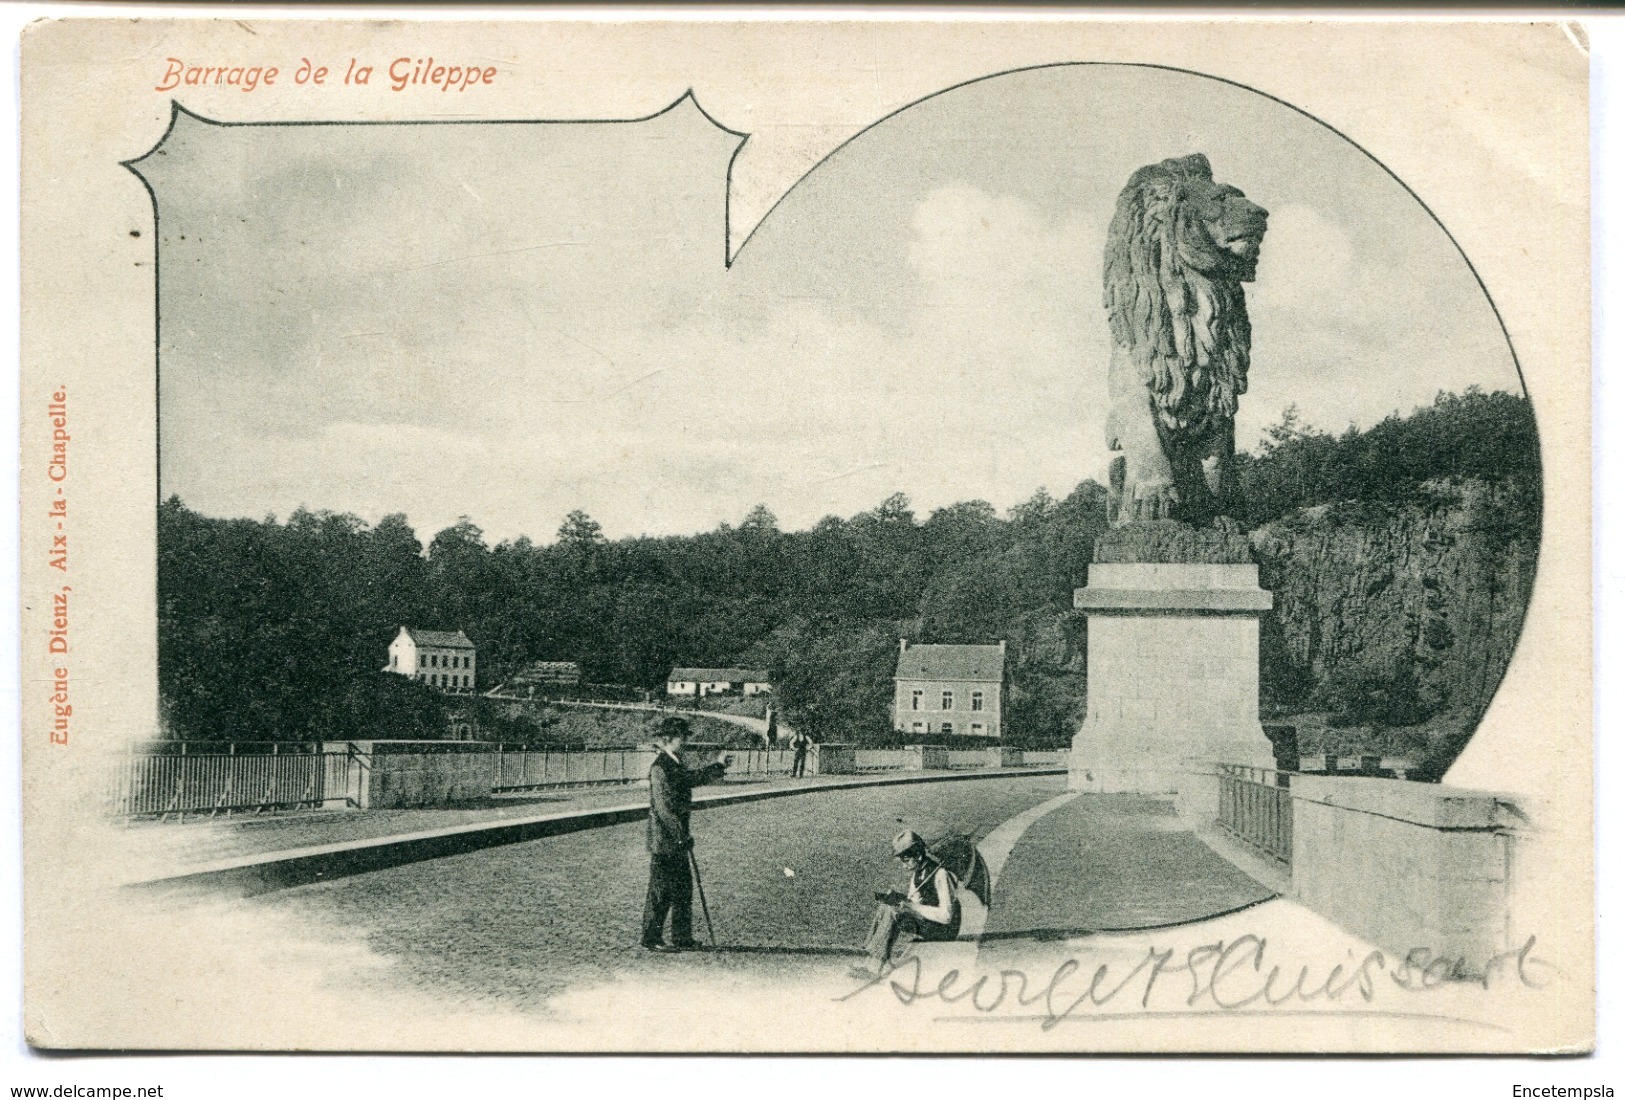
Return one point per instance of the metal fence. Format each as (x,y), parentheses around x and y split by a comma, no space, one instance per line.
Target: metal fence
(1255,806)
(229,782)
(1044,758)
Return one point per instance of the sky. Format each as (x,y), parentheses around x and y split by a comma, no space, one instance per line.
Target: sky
(510,321)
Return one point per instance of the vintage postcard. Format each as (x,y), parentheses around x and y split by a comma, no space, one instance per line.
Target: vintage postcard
(920,534)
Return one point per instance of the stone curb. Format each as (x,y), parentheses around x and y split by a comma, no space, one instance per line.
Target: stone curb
(249,876)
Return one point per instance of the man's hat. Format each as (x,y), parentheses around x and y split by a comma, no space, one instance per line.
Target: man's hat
(671,727)
(905,842)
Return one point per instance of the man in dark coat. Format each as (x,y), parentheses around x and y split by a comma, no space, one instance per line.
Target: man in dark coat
(671,890)
(801,743)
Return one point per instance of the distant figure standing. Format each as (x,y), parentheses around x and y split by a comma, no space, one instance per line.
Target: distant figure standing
(800,742)
(671,889)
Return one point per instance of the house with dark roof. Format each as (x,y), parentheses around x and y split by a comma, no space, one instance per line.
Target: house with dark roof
(949,690)
(440,658)
(700,682)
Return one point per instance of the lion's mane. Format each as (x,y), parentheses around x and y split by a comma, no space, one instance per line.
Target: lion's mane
(1175,299)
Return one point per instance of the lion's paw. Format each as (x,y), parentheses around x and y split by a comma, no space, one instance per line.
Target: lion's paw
(1155,500)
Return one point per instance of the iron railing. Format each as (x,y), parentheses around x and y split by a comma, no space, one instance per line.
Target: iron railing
(1255,806)
(229,782)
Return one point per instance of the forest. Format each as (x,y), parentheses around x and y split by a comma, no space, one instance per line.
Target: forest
(276,630)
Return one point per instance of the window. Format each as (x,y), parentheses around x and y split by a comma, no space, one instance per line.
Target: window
(917,727)
(947,700)
(977,729)
(422,660)
(914,702)
(975,700)
(948,729)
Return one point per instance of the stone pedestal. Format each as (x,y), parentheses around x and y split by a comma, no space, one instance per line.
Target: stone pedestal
(1173,675)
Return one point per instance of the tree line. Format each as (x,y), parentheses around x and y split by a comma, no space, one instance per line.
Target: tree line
(278,629)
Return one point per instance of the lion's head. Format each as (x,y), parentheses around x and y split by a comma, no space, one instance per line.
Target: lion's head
(1178,250)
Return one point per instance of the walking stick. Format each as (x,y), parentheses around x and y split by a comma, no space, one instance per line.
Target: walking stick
(704,908)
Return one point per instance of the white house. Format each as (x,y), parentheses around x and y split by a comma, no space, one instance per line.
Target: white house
(440,658)
(715,681)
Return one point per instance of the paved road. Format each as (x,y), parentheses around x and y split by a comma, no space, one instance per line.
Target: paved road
(172,847)
(790,884)
(515,925)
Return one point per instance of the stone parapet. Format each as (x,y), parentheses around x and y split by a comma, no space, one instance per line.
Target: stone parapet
(1413,867)
(921,758)
(400,774)
(833,760)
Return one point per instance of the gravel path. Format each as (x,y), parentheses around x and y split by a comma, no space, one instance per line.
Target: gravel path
(790,885)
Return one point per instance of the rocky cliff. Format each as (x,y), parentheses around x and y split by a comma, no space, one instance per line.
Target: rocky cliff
(1399,614)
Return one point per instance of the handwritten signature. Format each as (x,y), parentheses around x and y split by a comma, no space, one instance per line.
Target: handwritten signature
(1228,975)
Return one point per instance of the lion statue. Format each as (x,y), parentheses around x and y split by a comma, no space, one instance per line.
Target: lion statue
(1178,250)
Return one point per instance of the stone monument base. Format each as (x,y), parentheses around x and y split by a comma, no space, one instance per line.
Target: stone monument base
(1173,675)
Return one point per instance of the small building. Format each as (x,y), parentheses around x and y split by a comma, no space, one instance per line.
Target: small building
(538,676)
(440,658)
(700,682)
(949,690)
